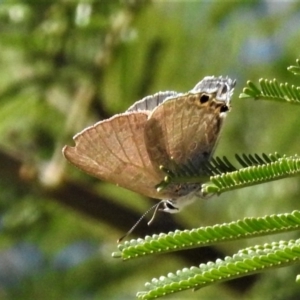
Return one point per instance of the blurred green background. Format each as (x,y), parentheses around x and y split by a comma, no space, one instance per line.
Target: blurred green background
(66,64)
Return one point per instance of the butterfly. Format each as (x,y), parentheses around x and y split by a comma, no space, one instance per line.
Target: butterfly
(166,129)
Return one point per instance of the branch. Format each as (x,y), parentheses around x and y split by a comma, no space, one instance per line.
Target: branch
(85,200)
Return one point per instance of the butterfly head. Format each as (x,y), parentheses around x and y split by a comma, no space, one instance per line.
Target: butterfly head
(187,194)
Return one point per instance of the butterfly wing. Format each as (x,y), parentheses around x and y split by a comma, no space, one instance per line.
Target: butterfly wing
(187,127)
(114,150)
(150,102)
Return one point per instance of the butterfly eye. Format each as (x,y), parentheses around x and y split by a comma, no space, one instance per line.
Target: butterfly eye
(170,206)
(204,98)
(224,108)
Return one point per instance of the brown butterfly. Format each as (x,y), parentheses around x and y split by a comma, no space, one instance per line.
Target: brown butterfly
(166,129)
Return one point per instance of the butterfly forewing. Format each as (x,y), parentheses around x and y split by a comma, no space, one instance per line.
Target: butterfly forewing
(114,150)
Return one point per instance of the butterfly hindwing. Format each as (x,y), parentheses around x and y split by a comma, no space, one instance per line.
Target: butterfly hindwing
(185,129)
(150,102)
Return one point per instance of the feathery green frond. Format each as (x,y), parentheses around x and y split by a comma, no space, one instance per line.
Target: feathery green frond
(295,69)
(204,236)
(220,175)
(245,262)
(273,168)
(272,90)
(188,173)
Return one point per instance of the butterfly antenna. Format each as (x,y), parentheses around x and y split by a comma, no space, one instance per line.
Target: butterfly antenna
(155,207)
(155,211)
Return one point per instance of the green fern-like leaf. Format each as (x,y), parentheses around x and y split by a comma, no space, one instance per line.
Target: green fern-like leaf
(274,168)
(220,175)
(188,173)
(295,69)
(204,236)
(245,262)
(272,90)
